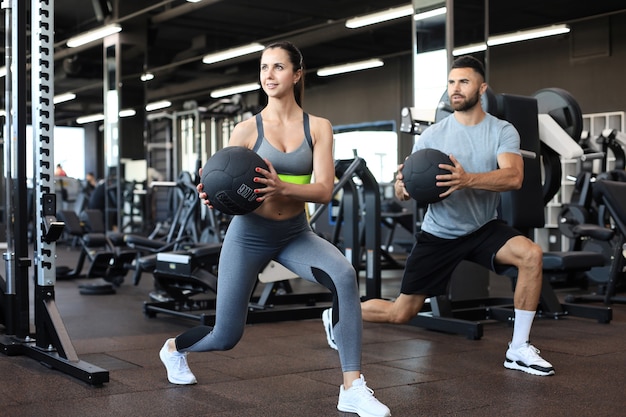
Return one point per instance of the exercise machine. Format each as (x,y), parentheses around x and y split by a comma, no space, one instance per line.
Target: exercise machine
(182,276)
(50,343)
(612,195)
(584,221)
(358,220)
(182,231)
(107,260)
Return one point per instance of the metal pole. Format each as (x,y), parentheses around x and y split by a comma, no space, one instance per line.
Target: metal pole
(52,345)
(42,91)
(16,257)
(9,283)
(8,142)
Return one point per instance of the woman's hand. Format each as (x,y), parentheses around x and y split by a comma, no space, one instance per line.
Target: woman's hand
(273,184)
(204,198)
(398,186)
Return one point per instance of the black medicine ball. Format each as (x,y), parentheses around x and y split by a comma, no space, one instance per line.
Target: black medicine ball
(420,171)
(228,179)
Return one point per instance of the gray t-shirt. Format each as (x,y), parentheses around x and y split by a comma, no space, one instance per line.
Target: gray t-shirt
(476,148)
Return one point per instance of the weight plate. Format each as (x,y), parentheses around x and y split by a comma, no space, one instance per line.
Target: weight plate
(563,108)
(570,216)
(600,274)
(551,171)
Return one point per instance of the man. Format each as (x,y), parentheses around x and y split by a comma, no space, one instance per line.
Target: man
(59,171)
(463,226)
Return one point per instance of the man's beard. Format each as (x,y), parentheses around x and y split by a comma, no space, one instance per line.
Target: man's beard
(467,104)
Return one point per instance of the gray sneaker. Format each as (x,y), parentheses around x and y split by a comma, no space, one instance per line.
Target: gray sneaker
(178,371)
(527,359)
(327,319)
(359,399)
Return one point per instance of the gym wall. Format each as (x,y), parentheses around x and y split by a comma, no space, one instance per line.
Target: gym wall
(520,68)
(594,80)
(365,96)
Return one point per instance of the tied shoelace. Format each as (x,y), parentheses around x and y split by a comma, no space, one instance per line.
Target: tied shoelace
(533,350)
(181,362)
(367,391)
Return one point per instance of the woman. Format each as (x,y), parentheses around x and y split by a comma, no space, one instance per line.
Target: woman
(279,230)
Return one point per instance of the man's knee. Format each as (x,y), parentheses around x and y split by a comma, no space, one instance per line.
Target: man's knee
(401,317)
(533,256)
(523,253)
(405,308)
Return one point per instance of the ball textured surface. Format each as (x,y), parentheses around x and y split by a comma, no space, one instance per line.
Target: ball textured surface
(420,171)
(228,180)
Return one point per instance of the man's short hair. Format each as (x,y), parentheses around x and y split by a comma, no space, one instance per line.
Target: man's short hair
(469,62)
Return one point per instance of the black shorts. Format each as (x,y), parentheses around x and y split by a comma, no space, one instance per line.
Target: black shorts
(432,260)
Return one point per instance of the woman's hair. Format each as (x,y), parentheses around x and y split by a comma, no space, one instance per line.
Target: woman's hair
(295,57)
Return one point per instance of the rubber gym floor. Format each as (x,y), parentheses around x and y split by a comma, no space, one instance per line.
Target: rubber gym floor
(286,369)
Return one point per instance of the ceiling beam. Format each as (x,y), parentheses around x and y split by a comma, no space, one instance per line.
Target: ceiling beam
(180,11)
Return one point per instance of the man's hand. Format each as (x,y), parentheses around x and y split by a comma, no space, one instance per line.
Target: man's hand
(455,180)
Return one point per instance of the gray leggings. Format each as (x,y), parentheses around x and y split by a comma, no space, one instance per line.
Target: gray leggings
(251,241)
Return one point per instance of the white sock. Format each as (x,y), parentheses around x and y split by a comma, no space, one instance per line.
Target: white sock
(521,327)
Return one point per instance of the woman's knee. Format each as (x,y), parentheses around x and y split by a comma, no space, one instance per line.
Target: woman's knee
(227,343)
(339,278)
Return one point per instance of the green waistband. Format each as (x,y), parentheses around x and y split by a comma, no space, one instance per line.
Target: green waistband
(296,179)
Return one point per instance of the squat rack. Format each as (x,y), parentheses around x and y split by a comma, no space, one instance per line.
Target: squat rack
(50,344)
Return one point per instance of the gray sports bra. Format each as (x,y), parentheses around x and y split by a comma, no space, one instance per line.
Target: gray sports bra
(295,167)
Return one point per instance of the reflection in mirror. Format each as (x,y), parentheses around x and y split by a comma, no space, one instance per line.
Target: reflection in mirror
(470,28)
(111,104)
(435,43)
(429,58)
(111,129)
(378,148)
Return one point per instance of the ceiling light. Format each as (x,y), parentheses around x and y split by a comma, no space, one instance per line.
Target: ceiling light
(3,71)
(371,19)
(127,113)
(524,35)
(157,105)
(469,49)
(236,89)
(354,66)
(429,14)
(378,17)
(91,118)
(194,1)
(93,35)
(99,116)
(61,98)
(146,76)
(232,53)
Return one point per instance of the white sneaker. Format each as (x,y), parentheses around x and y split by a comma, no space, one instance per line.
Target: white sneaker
(360,399)
(527,359)
(328,327)
(178,371)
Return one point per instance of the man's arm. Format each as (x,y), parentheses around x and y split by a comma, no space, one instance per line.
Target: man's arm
(509,175)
